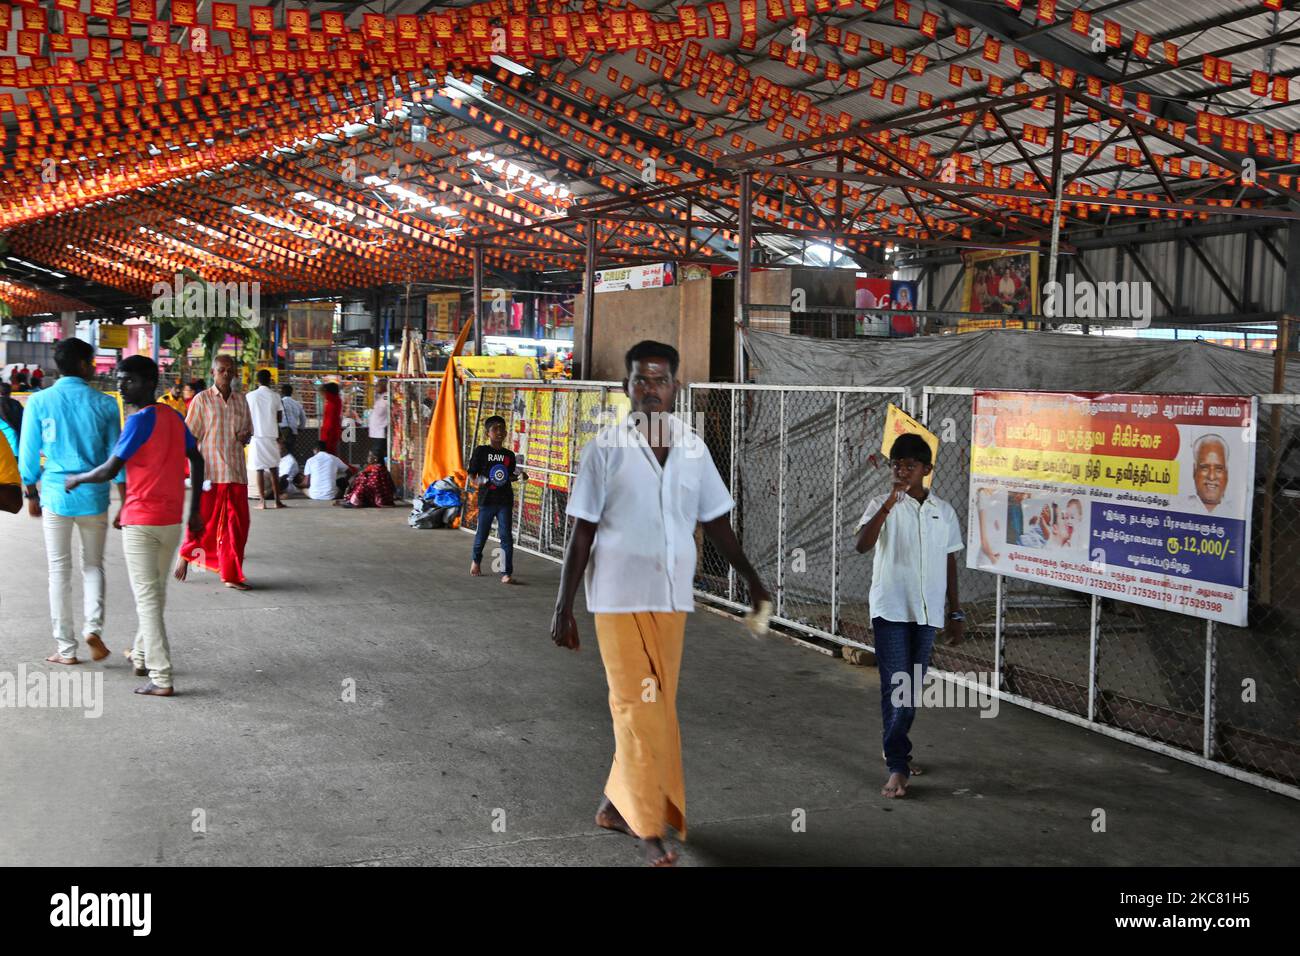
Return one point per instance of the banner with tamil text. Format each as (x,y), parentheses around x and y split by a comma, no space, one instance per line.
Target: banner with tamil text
(1142,498)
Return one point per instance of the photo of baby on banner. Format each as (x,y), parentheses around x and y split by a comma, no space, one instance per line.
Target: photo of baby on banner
(1028,519)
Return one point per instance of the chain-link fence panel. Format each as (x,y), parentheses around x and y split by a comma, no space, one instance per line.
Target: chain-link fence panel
(947,414)
(803,468)
(354,444)
(863,473)
(1151,673)
(411,403)
(1256,700)
(714,413)
(1046,634)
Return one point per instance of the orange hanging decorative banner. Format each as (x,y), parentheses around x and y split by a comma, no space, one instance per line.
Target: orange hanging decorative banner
(721,20)
(261,19)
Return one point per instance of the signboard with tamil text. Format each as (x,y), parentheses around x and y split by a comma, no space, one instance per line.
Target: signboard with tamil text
(1141,498)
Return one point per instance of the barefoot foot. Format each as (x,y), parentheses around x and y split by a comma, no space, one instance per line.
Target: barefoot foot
(895,787)
(656,854)
(57,658)
(608,818)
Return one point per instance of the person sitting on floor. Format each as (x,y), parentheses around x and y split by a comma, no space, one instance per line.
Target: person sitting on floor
(325,476)
(289,475)
(372,487)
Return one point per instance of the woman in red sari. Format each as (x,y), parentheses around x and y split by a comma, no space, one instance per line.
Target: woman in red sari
(372,487)
(331,422)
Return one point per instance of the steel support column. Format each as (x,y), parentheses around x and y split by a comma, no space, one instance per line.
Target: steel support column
(477,305)
(746,239)
(588,298)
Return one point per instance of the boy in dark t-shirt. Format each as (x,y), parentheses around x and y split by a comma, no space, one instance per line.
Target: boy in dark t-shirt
(492,468)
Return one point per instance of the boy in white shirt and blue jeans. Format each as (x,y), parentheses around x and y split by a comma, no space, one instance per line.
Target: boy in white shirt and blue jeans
(916,536)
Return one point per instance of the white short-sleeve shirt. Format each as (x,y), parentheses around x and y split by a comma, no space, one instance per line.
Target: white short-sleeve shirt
(264,405)
(643,558)
(909,570)
(323,470)
(379,418)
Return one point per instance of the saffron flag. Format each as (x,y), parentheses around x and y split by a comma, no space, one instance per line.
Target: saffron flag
(898,422)
(442,453)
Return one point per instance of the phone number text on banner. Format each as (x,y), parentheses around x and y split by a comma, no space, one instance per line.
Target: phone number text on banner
(1142,498)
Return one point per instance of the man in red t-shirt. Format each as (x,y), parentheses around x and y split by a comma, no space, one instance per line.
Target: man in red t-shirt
(154,446)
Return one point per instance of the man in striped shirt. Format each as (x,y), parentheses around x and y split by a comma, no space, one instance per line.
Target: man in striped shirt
(219,420)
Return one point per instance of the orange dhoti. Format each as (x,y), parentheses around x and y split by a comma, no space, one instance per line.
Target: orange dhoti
(642,653)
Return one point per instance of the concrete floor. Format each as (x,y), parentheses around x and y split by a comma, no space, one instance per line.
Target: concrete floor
(464,709)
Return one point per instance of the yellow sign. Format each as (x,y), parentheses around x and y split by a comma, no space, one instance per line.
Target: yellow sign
(1097,471)
(497,366)
(359,360)
(114,336)
(898,422)
(250,375)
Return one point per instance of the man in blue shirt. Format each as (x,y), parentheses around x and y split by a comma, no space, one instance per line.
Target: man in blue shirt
(75,428)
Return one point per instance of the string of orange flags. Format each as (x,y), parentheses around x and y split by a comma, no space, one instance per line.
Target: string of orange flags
(295,40)
(20,299)
(221,84)
(138,120)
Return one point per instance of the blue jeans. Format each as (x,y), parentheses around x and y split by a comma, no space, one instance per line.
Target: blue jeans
(901,649)
(503,515)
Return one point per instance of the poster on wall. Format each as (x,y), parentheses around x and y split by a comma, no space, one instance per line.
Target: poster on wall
(654,276)
(1140,498)
(873,292)
(442,314)
(310,324)
(998,282)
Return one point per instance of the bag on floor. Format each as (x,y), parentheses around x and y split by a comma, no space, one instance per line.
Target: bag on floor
(444,493)
(424,515)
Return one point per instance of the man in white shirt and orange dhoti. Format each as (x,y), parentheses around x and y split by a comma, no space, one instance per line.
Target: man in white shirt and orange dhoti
(642,487)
